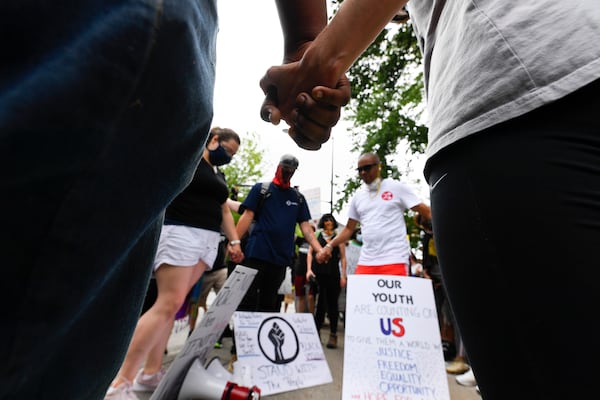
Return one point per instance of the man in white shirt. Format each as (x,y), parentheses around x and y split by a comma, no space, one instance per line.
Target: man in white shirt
(379,207)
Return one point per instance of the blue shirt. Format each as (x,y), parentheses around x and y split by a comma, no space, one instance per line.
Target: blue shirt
(272,238)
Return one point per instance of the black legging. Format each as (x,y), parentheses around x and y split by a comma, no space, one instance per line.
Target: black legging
(327,300)
(262,293)
(516,216)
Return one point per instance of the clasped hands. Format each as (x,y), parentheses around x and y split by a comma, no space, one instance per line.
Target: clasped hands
(310,104)
(323,255)
(235,253)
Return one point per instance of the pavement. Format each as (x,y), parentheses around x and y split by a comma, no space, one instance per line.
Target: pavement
(335,360)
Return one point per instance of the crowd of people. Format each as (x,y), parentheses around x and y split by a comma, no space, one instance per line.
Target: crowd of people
(97,145)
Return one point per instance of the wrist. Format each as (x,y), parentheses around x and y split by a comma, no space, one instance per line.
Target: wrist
(234,242)
(325,62)
(328,245)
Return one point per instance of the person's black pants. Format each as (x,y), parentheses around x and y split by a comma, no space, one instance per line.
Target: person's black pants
(516,216)
(329,293)
(262,293)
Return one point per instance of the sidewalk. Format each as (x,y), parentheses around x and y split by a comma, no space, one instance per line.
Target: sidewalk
(335,359)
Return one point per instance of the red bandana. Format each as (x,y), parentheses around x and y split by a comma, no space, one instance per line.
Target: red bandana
(282,179)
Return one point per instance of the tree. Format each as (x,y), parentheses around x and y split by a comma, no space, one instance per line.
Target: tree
(245,168)
(387,104)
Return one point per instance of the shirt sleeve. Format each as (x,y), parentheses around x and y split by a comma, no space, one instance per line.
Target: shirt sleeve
(408,198)
(352,212)
(303,211)
(251,201)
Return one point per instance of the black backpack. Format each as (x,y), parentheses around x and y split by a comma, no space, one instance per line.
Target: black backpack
(265,193)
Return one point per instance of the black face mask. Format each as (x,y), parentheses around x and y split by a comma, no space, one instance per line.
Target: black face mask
(219,156)
(286,174)
(283,176)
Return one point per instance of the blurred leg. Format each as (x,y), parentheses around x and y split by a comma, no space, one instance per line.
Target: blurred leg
(95,144)
(516,214)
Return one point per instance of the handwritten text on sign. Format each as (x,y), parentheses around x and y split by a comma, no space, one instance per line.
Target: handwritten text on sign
(392,343)
(283,350)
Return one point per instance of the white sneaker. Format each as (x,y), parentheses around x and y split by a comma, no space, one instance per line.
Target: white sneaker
(121,392)
(466,379)
(147,382)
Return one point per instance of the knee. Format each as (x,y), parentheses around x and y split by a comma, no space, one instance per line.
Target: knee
(169,306)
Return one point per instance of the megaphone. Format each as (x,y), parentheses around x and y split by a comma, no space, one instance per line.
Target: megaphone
(217,369)
(199,384)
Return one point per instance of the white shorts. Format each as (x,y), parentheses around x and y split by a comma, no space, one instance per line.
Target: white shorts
(184,246)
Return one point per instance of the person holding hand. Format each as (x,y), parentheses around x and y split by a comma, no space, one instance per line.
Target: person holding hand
(379,207)
(188,246)
(97,140)
(512,98)
(330,276)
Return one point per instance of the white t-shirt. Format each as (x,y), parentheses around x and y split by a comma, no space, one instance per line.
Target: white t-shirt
(488,61)
(381,215)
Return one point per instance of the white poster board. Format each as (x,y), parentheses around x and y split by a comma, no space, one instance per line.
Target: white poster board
(282,350)
(206,333)
(313,201)
(352,256)
(392,345)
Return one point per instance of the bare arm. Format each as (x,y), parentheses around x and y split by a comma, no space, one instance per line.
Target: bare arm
(354,27)
(244,222)
(424,210)
(328,57)
(228,227)
(341,238)
(309,259)
(233,205)
(346,233)
(301,22)
(309,235)
(343,276)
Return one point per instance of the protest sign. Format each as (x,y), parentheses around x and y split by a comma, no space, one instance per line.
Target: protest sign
(206,333)
(392,345)
(283,351)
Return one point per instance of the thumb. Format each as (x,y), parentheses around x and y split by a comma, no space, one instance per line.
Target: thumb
(338,96)
(269,112)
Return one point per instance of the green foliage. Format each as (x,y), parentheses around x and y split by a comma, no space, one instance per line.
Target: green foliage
(245,168)
(388,93)
(412,230)
(387,101)
(387,104)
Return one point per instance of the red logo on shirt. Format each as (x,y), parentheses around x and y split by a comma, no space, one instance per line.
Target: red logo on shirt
(387,196)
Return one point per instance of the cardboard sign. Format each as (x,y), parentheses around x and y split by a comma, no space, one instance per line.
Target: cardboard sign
(283,351)
(352,256)
(392,345)
(209,329)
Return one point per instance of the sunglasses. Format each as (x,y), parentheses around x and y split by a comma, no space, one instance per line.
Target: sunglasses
(365,168)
